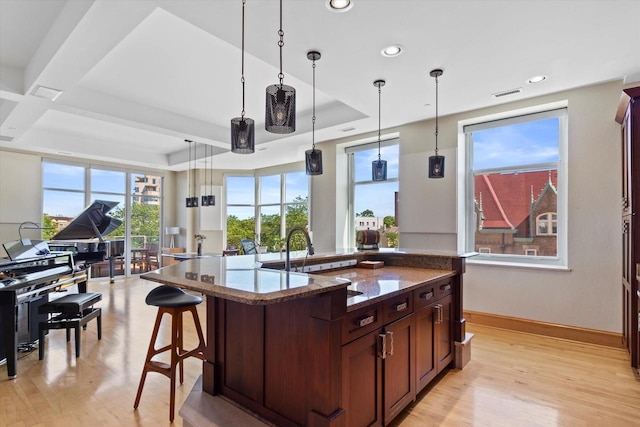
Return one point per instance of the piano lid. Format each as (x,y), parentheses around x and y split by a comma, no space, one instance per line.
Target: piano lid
(91,223)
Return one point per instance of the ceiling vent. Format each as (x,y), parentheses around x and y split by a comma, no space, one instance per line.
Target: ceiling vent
(46,92)
(507,93)
(6,138)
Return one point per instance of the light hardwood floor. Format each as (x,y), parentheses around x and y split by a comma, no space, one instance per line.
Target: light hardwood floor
(513,379)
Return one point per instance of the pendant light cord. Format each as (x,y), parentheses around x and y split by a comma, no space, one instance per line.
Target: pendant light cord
(281,43)
(313,118)
(436,133)
(379,114)
(242,78)
(195,159)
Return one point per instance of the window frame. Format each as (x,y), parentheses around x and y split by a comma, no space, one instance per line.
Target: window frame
(466,222)
(128,194)
(352,183)
(257,205)
(549,222)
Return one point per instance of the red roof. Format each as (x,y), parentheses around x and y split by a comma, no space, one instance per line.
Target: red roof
(506,198)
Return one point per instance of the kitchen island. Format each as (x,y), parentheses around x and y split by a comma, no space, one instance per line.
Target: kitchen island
(332,345)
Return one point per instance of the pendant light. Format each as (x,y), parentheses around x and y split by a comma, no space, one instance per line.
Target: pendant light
(436,163)
(379,167)
(192,200)
(209,199)
(242,129)
(313,157)
(280,111)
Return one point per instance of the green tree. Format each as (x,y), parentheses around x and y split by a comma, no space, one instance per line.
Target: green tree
(238,229)
(49,227)
(145,223)
(366,212)
(389,221)
(392,239)
(298,216)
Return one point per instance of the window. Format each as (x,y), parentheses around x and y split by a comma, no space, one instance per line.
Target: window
(264,208)
(69,188)
(375,200)
(515,188)
(547,224)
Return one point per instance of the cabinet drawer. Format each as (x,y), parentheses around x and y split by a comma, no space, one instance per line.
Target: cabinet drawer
(397,307)
(425,295)
(360,322)
(444,288)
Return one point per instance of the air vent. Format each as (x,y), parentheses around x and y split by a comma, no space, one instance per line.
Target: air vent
(6,138)
(507,92)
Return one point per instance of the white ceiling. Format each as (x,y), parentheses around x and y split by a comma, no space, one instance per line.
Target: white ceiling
(141,76)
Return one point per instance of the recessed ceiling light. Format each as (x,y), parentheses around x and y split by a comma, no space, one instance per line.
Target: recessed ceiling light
(390,51)
(349,129)
(537,79)
(339,5)
(46,92)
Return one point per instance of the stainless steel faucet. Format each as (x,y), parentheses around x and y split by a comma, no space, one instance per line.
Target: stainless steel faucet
(287,264)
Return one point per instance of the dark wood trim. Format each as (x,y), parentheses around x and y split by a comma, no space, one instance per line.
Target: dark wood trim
(573,333)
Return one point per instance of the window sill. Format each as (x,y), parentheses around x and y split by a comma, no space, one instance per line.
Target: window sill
(510,264)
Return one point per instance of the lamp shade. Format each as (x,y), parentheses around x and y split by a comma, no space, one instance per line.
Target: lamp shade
(172,231)
(436,167)
(379,170)
(280,109)
(313,161)
(169,231)
(242,135)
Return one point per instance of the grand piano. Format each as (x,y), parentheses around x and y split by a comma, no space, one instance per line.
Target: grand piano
(36,268)
(84,236)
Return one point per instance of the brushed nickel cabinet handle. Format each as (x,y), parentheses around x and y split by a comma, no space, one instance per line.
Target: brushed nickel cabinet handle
(383,351)
(402,306)
(445,287)
(366,320)
(390,334)
(426,295)
(438,313)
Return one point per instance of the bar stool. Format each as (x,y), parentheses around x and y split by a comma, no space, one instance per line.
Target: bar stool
(175,302)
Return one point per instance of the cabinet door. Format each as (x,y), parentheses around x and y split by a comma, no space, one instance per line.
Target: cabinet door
(362,381)
(443,333)
(399,366)
(425,347)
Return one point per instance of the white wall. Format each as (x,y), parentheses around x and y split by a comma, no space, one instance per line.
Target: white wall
(20,195)
(586,296)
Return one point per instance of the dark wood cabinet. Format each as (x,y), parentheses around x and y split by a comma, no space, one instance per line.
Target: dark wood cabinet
(629,117)
(434,341)
(398,366)
(362,381)
(379,374)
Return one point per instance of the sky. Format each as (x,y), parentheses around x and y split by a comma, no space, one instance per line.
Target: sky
(516,145)
(105,185)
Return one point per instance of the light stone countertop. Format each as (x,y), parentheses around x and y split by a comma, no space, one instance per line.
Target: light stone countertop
(380,283)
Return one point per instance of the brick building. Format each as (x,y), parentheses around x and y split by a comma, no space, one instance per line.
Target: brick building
(517,213)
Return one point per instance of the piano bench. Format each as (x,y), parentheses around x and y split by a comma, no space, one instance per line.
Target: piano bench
(70,311)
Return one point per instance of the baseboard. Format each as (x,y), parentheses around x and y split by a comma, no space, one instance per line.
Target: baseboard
(591,336)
